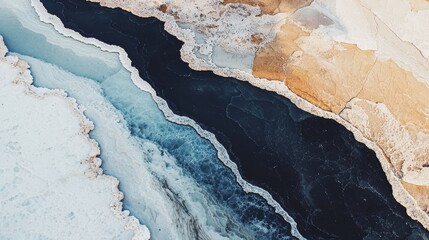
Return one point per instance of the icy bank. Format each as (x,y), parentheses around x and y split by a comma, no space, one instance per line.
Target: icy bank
(51,183)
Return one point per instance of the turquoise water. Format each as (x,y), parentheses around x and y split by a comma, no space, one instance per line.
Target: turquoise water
(42,41)
(189,178)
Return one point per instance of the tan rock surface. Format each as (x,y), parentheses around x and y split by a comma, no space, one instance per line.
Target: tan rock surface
(329,79)
(418,5)
(310,73)
(420,193)
(274,6)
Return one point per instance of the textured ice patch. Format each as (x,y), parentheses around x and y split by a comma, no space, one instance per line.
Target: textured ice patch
(51,185)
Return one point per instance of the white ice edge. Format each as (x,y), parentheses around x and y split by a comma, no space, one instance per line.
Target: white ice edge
(163,106)
(94,171)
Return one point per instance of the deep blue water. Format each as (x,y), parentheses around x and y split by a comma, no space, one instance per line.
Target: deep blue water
(332,185)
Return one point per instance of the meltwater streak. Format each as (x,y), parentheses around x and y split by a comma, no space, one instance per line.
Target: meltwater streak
(246,204)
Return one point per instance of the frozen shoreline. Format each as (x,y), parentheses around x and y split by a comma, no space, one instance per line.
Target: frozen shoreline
(187,54)
(84,175)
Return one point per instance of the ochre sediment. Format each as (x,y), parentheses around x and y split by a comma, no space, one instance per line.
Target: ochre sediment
(273,6)
(420,194)
(419,5)
(302,69)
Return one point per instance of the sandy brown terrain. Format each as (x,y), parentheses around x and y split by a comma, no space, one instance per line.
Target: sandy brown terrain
(418,5)
(273,6)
